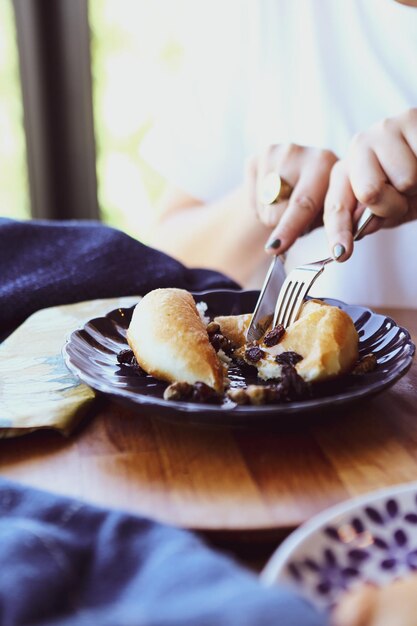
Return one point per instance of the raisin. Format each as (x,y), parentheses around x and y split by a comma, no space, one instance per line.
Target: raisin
(215,341)
(254,354)
(219,342)
(178,391)
(288,358)
(125,357)
(292,385)
(274,336)
(213,328)
(367,364)
(199,392)
(128,359)
(204,393)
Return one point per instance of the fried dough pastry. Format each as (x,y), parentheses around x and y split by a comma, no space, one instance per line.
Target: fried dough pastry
(326,338)
(170,340)
(324,335)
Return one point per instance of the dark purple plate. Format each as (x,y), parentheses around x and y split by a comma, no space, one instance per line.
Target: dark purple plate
(91,353)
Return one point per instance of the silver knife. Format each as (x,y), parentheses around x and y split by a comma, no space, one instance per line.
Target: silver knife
(265,307)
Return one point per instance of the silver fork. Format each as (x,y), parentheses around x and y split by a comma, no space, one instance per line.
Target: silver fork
(299,282)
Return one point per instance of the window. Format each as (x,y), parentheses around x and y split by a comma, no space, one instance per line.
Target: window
(137,51)
(14,190)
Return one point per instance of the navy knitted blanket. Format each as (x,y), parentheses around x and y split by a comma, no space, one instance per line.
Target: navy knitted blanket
(45,264)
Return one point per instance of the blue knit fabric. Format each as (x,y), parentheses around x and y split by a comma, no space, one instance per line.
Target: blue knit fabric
(65,563)
(49,263)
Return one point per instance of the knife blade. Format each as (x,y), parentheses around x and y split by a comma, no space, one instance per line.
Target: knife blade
(265,306)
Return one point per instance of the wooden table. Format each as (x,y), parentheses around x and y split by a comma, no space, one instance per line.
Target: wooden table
(240,486)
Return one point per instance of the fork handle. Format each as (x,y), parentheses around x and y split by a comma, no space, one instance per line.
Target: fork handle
(363,222)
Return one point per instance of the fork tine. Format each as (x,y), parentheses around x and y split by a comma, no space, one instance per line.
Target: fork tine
(293,293)
(286,304)
(282,300)
(293,308)
(287,301)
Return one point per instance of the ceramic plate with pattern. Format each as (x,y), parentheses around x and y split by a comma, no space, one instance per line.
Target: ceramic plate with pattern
(91,353)
(372,538)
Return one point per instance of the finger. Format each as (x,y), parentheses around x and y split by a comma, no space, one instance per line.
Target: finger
(251,175)
(286,161)
(339,205)
(269,215)
(409,129)
(393,205)
(272,213)
(266,163)
(305,204)
(365,173)
(370,186)
(375,224)
(398,162)
(410,216)
(355,608)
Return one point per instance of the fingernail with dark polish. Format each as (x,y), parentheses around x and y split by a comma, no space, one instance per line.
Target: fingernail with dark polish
(273,243)
(338,251)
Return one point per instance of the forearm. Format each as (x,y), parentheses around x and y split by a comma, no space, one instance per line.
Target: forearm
(223,235)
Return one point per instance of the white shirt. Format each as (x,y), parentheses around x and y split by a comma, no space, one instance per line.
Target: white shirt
(312,72)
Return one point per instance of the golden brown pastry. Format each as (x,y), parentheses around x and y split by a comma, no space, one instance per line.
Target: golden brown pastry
(394,604)
(326,338)
(234,327)
(324,335)
(170,341)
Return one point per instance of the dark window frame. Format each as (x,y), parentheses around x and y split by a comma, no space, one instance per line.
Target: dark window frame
(53,39)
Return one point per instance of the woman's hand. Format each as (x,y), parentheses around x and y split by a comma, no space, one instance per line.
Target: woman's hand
(379,171)
(307,170)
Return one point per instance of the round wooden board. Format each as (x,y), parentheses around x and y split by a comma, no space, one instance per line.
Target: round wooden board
(248,482)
